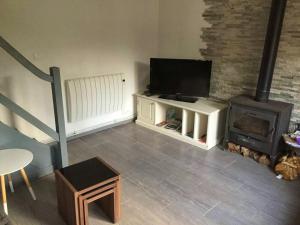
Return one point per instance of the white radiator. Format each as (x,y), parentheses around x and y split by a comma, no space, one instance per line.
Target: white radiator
(94,96)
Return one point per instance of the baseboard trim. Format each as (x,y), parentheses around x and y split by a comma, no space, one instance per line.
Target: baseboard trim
(70,138)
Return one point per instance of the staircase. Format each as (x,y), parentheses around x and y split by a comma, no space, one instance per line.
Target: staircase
(46,157)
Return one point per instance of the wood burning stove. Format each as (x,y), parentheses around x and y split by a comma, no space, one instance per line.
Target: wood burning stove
(257,122)
(258,125)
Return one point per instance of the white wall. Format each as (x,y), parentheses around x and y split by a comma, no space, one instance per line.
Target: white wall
(83,38)
(87,38)
(180,24)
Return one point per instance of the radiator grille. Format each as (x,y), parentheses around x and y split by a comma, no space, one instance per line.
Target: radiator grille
(94,96)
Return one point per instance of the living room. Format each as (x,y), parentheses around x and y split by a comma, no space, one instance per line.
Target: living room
(165,178)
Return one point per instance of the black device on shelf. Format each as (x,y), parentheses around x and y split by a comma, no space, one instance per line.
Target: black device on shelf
(190,78)
(179,97)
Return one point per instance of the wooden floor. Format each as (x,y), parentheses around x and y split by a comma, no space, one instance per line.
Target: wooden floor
(169,182)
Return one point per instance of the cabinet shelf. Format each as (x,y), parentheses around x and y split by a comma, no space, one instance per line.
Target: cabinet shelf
(202,125)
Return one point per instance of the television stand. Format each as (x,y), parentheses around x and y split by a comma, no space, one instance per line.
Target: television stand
(179,97)
(202,122)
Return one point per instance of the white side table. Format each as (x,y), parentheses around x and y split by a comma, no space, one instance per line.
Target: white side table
(12,160)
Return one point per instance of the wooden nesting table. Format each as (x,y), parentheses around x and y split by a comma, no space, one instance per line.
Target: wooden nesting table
(89,181)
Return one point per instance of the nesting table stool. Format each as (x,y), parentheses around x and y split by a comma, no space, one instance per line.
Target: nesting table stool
(12,160)
(89,181)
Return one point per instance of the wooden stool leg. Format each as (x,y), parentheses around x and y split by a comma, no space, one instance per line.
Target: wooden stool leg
(4,194)
(10,183)
(86,212)
(23,173)
(117,202)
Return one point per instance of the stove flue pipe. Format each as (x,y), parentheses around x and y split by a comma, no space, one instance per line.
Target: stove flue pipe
(270,50)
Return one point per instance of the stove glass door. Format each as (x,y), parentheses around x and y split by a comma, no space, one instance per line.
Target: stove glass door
(253,123)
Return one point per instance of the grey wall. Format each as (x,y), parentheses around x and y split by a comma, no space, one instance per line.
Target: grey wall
(235,43)
(43,155)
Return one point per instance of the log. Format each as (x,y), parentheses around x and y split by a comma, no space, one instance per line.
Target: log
(264,160)
(245,151)
(294,160)
(233,147)
(251,154)
(256,156)
(287,171)
(289,167)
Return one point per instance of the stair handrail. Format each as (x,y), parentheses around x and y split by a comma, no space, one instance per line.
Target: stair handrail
(22,60)
(59,134)
(28,117)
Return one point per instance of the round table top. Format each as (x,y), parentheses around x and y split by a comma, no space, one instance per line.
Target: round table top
(12,160)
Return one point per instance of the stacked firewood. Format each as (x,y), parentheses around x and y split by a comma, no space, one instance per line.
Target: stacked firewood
(288,167)
(246,152)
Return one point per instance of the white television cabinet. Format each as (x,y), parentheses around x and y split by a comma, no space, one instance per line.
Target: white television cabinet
(199,119)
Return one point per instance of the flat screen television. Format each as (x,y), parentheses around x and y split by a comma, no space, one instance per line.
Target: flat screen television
(180,76)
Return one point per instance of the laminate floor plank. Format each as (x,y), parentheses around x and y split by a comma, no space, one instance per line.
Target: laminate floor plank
(167,182)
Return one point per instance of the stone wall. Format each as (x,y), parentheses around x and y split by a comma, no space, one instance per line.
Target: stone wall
(235,43)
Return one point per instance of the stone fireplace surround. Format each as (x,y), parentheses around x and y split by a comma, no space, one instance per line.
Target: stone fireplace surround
(235,43)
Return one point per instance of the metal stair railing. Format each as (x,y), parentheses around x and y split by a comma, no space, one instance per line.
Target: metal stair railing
(59,133)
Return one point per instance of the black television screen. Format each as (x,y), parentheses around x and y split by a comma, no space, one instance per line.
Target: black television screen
(180,76)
